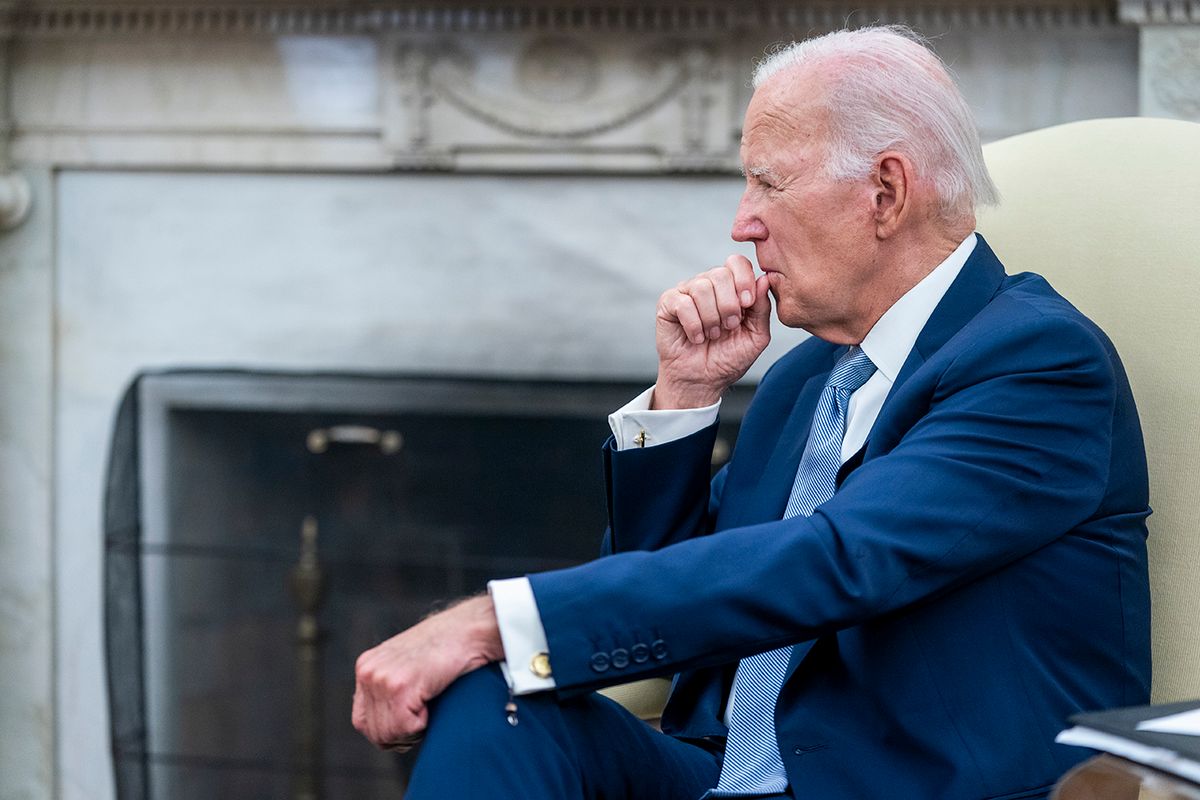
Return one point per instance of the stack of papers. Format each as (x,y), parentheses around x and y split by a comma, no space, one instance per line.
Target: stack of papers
(1166,737)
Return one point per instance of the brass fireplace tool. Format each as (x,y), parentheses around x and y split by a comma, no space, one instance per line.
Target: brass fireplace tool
(307,585)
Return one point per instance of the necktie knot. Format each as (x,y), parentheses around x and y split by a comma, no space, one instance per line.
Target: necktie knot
(851,371)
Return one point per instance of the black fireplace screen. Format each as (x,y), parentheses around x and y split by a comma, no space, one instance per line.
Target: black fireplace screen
(263,529)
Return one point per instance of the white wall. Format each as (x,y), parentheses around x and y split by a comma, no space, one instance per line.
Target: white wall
(518,276)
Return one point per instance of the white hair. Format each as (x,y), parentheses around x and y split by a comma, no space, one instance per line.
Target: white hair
(887,90)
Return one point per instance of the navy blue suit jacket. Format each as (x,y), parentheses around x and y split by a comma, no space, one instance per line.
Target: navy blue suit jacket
(979,574)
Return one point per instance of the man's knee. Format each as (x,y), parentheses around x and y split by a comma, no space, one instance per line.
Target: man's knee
(472,750)
(582,747)
(474,702)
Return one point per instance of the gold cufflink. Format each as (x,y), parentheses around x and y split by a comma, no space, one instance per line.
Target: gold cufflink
(540,665)
(640,439)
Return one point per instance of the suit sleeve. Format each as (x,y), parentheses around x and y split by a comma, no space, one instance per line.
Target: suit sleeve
(660,495)
(1012,452)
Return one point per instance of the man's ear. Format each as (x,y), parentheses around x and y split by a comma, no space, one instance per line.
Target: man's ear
(892,192)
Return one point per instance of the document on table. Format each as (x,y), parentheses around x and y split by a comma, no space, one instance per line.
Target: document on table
(1165,736)
(1185,722)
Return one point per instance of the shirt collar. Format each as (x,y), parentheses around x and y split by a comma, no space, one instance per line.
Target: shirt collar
(891,339)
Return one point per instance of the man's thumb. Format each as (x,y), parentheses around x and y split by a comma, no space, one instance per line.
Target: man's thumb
(759,314)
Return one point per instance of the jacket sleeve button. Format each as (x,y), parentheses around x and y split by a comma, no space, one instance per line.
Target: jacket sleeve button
(620,658)
(599,662)
(640,653)
(658,648)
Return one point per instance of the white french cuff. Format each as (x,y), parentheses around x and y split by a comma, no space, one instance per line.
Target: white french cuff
(522,634)
(636,425)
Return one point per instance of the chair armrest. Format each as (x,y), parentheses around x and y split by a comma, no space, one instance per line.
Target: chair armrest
(644,699)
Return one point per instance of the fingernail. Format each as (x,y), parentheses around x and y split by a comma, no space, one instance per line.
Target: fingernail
(747,298)
(698,338)
(714,332)
(732,321)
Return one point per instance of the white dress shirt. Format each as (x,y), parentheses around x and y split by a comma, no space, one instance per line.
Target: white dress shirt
(887,344)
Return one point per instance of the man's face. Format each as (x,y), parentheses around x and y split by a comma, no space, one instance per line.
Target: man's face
(813,237)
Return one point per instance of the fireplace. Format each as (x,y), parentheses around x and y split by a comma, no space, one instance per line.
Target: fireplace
(262,529)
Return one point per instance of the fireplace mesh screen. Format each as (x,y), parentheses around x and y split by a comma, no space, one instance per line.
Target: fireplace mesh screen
(422,490)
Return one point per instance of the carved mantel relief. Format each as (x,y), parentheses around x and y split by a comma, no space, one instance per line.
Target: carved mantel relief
(477,86)
(476,102)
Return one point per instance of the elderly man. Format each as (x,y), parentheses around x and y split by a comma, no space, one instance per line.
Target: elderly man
(927,550)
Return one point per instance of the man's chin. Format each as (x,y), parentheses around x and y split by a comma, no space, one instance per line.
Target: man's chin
(788,316)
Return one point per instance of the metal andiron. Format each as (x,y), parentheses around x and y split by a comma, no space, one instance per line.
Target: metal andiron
(307,583)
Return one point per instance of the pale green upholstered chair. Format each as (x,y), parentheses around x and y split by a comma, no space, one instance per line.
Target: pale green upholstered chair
(1109,212)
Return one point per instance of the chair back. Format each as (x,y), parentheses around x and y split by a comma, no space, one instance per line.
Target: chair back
(1109,212)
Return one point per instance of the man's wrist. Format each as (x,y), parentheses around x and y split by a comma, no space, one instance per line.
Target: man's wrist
(680,396)
(475,618)
(488,629)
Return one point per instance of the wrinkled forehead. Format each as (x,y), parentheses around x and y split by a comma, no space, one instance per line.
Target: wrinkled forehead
(788,112)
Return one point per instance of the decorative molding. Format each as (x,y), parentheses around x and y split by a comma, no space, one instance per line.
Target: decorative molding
(15,200)
(1173,72)
(76,18)
(567,119)
(653,104)
(525,85)
(700,98)
(415,95)
(558,70)
(1160,12)
(15,195)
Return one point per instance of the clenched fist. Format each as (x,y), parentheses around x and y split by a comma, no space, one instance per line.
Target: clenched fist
(709,330)
(395,681)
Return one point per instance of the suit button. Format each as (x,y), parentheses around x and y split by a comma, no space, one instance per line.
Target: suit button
(620,658)
(640,653)
(600,662)
(658,648)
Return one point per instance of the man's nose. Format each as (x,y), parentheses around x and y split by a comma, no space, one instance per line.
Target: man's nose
(747,227)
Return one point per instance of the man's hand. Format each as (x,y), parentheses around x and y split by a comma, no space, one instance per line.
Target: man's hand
(396,680)
(709,330)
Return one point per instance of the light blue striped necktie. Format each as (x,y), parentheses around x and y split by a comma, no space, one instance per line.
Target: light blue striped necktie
(752,763)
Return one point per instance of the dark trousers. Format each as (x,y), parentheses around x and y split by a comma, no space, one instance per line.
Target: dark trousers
(584,747)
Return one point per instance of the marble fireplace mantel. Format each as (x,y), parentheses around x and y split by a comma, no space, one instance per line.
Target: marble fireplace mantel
(128,128)
(616,86)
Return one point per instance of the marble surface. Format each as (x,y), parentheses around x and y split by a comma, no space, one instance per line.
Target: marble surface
(1019,82)
(1170,70)
(322,83)
(26,581)
(517,276)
